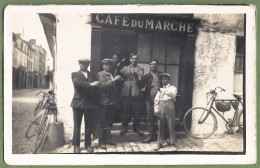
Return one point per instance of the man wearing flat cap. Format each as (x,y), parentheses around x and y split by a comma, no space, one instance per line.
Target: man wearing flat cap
(84,103)
(131,94)
(108,99)
(164,109)
(152,86)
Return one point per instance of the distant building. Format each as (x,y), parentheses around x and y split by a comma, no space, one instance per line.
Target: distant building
(29,64)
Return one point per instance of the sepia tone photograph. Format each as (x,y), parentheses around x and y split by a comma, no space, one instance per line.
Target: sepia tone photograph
(129,81)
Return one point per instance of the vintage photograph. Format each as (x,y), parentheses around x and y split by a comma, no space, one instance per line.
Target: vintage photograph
(129,81)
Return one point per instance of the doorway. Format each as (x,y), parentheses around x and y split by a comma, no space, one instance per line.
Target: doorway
(175,53)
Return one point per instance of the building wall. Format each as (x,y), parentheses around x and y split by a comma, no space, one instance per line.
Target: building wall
(214,59)
(27,59)
(214,67)
(73,39)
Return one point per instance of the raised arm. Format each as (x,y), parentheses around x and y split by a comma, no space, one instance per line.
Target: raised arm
(78,83)
(103,83)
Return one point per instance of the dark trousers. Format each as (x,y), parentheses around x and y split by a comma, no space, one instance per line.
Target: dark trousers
(150,117)
(131,105)
(166,121)
(88,119)
(106,119)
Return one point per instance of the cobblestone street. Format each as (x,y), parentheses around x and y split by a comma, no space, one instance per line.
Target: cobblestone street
(131,142)
(24,102)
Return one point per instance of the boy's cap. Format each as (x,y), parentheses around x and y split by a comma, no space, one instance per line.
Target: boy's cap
(106,60)
(83,59)
(166,75)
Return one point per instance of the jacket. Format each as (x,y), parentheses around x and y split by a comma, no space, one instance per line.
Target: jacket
(148,80)
(132,81)
(108,91)
(85,96)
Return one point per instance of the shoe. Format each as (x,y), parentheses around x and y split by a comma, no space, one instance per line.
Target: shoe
(149,139)
(109,142)
(89,149)
(158,146)
(101,144)
(174,148)
(170,144)
(139,132)
(76,149)
(123,131)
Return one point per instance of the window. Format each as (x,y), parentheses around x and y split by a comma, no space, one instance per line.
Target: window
(240,50)
(165,48)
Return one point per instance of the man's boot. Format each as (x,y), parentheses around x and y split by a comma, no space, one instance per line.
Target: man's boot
(123,131)
(108,132)
(101,143)
(138,131)
(109,141)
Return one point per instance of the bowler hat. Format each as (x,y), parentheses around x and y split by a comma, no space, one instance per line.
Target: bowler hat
(165,75)
(83,59)
(106,60)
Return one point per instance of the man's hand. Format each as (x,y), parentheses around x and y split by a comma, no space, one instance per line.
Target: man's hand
(118,77)
(94,83)
(157,114)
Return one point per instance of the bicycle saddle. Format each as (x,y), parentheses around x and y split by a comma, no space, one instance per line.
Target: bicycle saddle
(238,97)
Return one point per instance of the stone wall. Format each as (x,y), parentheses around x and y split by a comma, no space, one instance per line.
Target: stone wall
(73,39)
(214,67)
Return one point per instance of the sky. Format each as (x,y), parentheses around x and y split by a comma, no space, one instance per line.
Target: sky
(30,27)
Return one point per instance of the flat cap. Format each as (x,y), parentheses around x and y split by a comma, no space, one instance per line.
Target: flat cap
(165,75)
(106,60)
(83,59)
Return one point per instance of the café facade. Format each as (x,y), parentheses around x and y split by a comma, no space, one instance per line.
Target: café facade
(199,51)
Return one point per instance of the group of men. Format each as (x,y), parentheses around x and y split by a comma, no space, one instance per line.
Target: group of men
(113,85)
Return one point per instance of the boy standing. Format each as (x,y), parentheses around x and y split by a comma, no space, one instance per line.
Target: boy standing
(107,101)
(164,109)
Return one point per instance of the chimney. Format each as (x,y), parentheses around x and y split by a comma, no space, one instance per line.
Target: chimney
(32,41)
(18,35)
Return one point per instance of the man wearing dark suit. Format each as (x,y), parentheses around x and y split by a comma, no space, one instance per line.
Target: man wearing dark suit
(152,86)
(131,94)
(84,103)
(108,99)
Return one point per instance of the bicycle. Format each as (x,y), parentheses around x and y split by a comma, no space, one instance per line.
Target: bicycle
(205,120)
(40,123)
(42,103)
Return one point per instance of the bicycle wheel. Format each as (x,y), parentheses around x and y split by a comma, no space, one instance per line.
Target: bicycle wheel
(33,127)
(203,123)
(41,134)
(240,122)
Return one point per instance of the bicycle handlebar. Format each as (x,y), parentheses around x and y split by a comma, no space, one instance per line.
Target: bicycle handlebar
(39,93)
(49,93)
(215,90)
(219,88)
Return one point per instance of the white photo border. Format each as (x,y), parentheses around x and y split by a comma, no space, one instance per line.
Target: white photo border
(135,159)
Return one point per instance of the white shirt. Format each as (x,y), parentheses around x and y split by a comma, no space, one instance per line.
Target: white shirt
(166,93)
(85,74)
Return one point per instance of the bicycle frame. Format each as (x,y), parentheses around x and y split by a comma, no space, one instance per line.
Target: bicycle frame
(213,99)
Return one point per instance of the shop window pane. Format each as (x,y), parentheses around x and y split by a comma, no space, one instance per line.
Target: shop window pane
(146,67)
(239,65)
(144,47)
(173,49)
(161,68)
(239,55)
(159,47)
(174,72)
